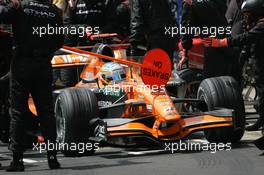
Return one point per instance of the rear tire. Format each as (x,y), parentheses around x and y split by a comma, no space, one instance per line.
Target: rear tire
(74,109)
(224,92)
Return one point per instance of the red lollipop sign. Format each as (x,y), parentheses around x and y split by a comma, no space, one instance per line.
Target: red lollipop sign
(156,68)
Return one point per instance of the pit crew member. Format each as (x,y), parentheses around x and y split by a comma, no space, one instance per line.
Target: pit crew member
(253,10)
(210,14)
(31,72)
(148,21)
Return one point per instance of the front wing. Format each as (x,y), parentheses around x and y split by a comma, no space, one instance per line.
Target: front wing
(172,130)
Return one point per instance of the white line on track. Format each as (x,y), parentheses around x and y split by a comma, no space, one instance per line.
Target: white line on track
(199,141)
(25,160)
(29,161)
(202,141)
(145,152)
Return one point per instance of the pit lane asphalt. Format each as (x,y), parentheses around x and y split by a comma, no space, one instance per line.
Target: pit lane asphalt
(242,159)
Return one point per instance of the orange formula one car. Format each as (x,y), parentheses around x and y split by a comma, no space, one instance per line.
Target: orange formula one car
(112,105)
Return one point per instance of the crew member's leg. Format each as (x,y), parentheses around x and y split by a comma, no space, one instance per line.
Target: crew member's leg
(260,88)
(42,95)
(19,96)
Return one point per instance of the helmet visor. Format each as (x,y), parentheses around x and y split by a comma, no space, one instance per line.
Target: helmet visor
(115,76)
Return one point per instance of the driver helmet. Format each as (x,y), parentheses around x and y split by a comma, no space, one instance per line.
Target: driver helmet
(253,7)
(112,72)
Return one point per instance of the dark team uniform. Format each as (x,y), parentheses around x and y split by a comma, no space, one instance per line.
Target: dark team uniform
(211,13)
(234,17)
(255,37)
(148,21)
(31,69)
(123,18)
(96,15)
(5,55)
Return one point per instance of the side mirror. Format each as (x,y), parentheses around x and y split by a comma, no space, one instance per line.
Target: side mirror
(90,80)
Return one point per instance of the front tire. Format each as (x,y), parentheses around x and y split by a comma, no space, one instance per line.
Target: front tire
(224,92)
(74,109)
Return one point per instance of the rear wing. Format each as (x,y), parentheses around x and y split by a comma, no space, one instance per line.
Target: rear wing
(76,59)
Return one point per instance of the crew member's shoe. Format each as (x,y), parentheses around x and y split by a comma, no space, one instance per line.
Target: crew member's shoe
(17,163)
(259,123)
(53,161)
(15,167)
(1,166)
(259,143)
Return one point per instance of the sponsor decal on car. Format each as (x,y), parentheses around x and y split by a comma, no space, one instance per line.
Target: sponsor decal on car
(104,103)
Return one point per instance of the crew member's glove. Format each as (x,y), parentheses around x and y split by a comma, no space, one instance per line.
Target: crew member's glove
(214,42)
(184,61)
(188,2)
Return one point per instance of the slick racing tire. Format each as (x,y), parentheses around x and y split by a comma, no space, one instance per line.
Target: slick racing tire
(74,109)
(224,92)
